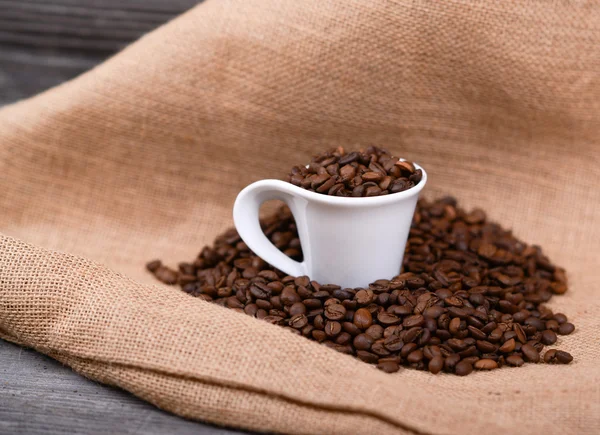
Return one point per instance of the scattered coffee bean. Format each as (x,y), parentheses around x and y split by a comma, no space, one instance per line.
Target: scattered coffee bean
(566,328)
(530,352)
(548,337)
(563,357)
(471,295)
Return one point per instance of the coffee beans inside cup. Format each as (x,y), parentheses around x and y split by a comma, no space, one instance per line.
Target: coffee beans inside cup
(470,297)
(370,172)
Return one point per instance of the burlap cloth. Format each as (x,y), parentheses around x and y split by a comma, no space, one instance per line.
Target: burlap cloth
(143,157)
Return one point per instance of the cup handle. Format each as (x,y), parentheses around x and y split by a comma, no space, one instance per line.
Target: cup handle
(246,219)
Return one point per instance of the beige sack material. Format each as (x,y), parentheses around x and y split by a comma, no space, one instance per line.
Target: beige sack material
(143,157)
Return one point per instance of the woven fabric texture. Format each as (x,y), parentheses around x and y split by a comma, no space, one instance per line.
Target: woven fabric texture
(143,156)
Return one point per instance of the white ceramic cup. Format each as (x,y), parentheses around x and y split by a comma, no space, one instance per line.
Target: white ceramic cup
(350,242)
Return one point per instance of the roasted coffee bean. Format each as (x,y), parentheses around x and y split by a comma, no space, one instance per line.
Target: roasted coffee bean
(485,346)
(563,357)
(363,342)
(351,328)
(468,289)
(289,296)
(515,360)
(388,366)
(297,308)
(548,337)
(485,364)
(165,275)
(393,343)
(566,328)
(415,356)
(530,353)
(367,357)
(335,311)
(436,364)
(560,318)
(332,328)
(375,331)
(363,318)
(153,266)
(411,321)
(463,368)
(385,318)
(521,336)
(508,346)
(299,321)
(343,338)
(364,297)
(336,171)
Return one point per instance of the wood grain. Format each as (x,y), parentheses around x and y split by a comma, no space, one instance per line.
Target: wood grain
(40,396)
(45,42)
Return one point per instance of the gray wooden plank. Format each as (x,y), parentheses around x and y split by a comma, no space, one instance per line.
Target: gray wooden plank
(41,396)
(46,42)
(83,25)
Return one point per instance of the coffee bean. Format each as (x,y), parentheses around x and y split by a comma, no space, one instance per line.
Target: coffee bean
(463,368)
(388,366)
(415,356)
(351,328)
(508,346)
(335,312)
(563,357)
(332,328)
(416,320)
(393,343)
(289,296)
(363,342)
(375,331)
(334,173)
(363,318)
(436,364)
(296,308)
(165,275)
(560,318)
(153,266)
(521,336)
(515,360)
(548,337)
(566,328)
(378,348)
(468,289)
(364,297)
(552,325)
(485,346)
(299,321)
(385,318)
(486,364)
(343,338)
(367,357)
(530,353)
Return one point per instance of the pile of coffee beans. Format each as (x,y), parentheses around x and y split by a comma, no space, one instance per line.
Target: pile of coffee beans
(370,172)
(471,295)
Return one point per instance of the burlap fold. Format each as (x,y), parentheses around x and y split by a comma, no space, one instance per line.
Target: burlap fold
(143,156)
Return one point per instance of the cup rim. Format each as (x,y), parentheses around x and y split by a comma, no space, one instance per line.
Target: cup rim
(350,201)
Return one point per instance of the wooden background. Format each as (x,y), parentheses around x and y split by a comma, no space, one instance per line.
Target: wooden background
(43,43)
